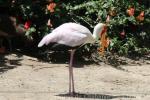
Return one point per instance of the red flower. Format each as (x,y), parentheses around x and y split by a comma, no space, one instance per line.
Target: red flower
(27,24)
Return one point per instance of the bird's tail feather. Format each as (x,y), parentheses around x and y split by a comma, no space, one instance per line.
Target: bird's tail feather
(42,42)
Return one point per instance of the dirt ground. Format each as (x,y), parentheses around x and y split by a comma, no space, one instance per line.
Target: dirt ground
(26,78)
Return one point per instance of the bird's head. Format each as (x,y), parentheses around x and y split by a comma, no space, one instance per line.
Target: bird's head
(99,29)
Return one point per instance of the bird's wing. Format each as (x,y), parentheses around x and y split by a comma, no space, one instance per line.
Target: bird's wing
(74,27)
(70,34)
(69,38)
(77,28)
(73,39)
(43,41)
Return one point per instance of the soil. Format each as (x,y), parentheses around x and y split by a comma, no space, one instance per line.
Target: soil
(27,78)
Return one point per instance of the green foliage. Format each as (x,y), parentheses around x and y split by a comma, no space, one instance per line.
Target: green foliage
(136,35)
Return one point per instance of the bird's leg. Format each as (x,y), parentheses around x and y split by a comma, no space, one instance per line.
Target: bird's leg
(71,78)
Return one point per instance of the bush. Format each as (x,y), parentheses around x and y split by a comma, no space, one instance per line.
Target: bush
(128,20)
(129,32)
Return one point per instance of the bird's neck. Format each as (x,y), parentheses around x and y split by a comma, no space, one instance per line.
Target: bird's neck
(96,32)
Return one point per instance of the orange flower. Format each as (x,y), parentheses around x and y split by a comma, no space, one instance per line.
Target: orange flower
(51,7)
(130,11)
(140,17)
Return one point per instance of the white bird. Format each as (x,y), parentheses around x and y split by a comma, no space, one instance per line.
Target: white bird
(72,35)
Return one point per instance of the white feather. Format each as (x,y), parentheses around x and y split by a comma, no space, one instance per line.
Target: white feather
(43,41)
(70,34)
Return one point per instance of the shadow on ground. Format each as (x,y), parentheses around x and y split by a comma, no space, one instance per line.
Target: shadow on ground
(95,96)
(7,63)
(63,57)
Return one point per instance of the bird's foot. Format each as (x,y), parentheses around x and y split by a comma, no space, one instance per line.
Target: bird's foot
(73,93)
